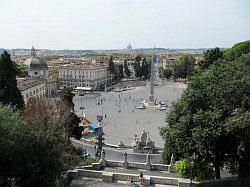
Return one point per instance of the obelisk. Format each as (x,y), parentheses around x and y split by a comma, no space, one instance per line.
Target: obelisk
(151,93)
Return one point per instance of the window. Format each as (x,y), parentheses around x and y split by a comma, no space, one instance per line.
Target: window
(36,73)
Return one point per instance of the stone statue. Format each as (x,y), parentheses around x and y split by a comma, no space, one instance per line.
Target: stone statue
(121,144)
(148,158)
(125,156)
(172,160)
(143,138)
(135,137)
(150,144)
(103,154)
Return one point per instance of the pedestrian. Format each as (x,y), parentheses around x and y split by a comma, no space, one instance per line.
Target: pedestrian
(141,177)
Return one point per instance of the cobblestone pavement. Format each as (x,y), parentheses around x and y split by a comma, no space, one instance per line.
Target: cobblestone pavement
(122,126)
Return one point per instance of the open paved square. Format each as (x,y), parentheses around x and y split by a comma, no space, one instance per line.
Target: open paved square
(123,125)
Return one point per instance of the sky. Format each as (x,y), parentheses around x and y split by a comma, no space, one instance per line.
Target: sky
(112,24)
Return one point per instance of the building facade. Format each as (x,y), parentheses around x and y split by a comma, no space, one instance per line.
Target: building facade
(85,74)
(170,62)
(31,88)
(36,66)
(39,83)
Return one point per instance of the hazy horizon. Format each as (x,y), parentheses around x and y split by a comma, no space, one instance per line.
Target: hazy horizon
(112,24)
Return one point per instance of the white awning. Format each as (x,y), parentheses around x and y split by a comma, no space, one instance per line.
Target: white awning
(79,88)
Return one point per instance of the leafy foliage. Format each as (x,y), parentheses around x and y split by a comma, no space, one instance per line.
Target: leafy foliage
(183,167)
(66,96)
(126,69)
(210,56)
(21,70)
(121,75)
(142,69)
(45,115)
(111,65)
(145,69)
(31,157)
(9,92)
(211,119)
(165,73)
(185,67)
(237,50)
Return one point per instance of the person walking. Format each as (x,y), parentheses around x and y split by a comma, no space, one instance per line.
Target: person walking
(141,177)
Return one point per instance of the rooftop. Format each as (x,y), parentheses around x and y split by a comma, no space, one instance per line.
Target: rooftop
(25,84)
(84,65)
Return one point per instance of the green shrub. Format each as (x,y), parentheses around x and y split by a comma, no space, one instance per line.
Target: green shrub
(183,167)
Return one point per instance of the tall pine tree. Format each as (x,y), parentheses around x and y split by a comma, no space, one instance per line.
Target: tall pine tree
(126,69)
(9,92)
(145,69)
(111,65)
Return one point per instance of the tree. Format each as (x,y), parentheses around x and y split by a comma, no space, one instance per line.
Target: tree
(9,92)
(164,73)
(185,67)
(30,157)
(121,75)
(211,119)
(66,96)
(210,56)
(126,69)
(43,115)
(111,67)
(145,68)
(21,70)
(71,125)
(237,50)
(138,58)
(137,69)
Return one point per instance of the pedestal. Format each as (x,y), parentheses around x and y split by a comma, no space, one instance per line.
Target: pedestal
(148,166)
(125,165)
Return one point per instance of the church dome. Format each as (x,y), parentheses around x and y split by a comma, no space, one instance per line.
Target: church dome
(34,62)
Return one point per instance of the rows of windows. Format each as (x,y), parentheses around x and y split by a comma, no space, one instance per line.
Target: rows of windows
(35,91)
(83,72)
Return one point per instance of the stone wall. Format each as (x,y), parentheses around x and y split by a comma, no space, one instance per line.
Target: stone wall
(111,177)
(138,165)
(229,182)
(113,163)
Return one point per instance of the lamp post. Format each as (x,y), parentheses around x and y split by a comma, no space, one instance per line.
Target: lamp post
(100,136)
(82,108)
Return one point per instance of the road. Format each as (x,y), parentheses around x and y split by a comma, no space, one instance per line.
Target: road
(112,154)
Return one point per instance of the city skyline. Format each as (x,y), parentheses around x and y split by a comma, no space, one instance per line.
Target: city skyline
(112,24)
